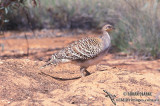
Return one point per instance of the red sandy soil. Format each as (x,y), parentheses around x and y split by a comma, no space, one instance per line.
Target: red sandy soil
(23,83)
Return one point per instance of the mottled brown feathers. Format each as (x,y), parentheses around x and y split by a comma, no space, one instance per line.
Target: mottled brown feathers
(84,52)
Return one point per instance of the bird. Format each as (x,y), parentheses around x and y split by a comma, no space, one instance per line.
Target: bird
(84,52)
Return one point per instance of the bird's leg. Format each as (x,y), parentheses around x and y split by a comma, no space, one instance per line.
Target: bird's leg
(82,70)
(87,73)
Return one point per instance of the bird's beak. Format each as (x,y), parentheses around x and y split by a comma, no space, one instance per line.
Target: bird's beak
(110,29)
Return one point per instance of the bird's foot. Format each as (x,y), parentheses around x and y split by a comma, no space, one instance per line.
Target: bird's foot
(87,73)
(84,72)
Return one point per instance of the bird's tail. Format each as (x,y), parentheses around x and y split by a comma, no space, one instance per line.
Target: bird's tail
(50,62)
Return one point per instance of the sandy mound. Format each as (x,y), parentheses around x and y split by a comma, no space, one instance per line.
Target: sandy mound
(23,83)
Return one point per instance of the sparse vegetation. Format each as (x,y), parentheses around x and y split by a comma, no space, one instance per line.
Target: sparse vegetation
(139,28)
(137,22)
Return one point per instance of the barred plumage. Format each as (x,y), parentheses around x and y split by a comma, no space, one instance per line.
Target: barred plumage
(84,52)
(80,50)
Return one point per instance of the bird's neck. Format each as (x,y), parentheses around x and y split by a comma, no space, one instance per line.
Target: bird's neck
(106,40)
(105,36)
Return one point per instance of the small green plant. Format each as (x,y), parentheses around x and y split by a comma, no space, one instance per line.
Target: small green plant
(9,8)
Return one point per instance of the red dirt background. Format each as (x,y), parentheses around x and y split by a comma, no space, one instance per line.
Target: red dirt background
(23,83)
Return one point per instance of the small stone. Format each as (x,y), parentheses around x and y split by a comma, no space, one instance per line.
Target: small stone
(90,97)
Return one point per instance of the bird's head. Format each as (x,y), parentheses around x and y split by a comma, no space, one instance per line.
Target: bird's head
(107,28)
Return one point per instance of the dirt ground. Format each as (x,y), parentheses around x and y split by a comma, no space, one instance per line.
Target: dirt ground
(23,83)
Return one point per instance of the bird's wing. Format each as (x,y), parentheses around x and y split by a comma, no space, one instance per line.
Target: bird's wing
(81,50)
